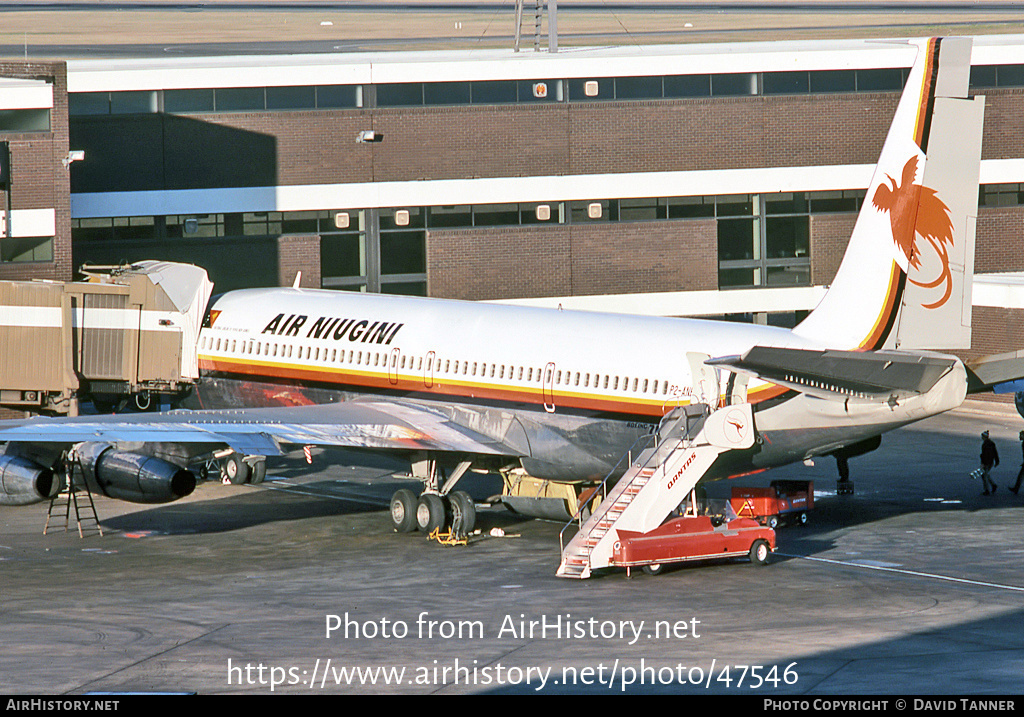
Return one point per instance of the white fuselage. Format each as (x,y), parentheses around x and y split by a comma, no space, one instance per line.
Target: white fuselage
(583,385)
(456,350)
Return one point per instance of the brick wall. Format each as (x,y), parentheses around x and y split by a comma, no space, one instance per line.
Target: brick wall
(316,147)
(830,234)
(38,177)
(287,148)
(1003,135)
(499,263)
(1000,240)
(728,133)
(637,257)
(567,260)
(465,142)
(299,252)
(291,147)
(995,331)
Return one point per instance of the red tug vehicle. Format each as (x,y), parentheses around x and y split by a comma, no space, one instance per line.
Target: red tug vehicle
(783,500)
(699,534)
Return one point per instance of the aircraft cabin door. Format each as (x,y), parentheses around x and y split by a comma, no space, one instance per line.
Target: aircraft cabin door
(428,370)
(549,388)
(396,354)
(705,380)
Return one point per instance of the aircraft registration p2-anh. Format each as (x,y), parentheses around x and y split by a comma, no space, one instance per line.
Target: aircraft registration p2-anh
(561,396)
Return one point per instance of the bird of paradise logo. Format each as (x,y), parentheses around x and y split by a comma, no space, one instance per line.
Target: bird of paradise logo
(916,211)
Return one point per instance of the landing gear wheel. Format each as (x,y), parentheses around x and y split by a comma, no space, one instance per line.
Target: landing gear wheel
(759,552)
(430,513)
(463,513)
(403,510)
(235,470)
(259,472)
(654,568)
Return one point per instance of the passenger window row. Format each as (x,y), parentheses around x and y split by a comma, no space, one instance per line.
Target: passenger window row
(434,364)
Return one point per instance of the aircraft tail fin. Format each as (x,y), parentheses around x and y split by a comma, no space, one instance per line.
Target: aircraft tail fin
(905,280)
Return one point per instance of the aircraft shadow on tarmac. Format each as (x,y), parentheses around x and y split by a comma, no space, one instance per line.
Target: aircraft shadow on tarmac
(276,502)
(885,488)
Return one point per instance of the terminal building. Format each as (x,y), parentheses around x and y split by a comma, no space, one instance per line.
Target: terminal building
(729,175)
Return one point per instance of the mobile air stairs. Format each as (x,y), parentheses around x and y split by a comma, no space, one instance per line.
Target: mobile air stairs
(677,456)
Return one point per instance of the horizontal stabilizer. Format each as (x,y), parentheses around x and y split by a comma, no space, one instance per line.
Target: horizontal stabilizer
(842,374)
(1001,373)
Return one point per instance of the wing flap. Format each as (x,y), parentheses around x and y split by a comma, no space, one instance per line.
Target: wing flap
(842,374)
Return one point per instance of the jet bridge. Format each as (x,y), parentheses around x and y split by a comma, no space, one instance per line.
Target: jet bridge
(126,333)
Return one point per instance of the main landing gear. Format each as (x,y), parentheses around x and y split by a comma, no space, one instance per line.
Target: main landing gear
(235,469)
(844,486)
(431,512)
(438,507)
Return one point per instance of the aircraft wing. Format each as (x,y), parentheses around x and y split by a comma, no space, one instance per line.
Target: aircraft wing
(830,374)
(261,431)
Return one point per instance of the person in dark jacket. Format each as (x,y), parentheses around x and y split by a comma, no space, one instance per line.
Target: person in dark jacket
(1020,475)
(989,459)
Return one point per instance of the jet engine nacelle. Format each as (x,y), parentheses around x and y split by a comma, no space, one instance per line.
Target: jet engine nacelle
(23,482)
(132,476)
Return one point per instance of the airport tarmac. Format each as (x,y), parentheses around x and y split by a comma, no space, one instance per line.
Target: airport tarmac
(911,586)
